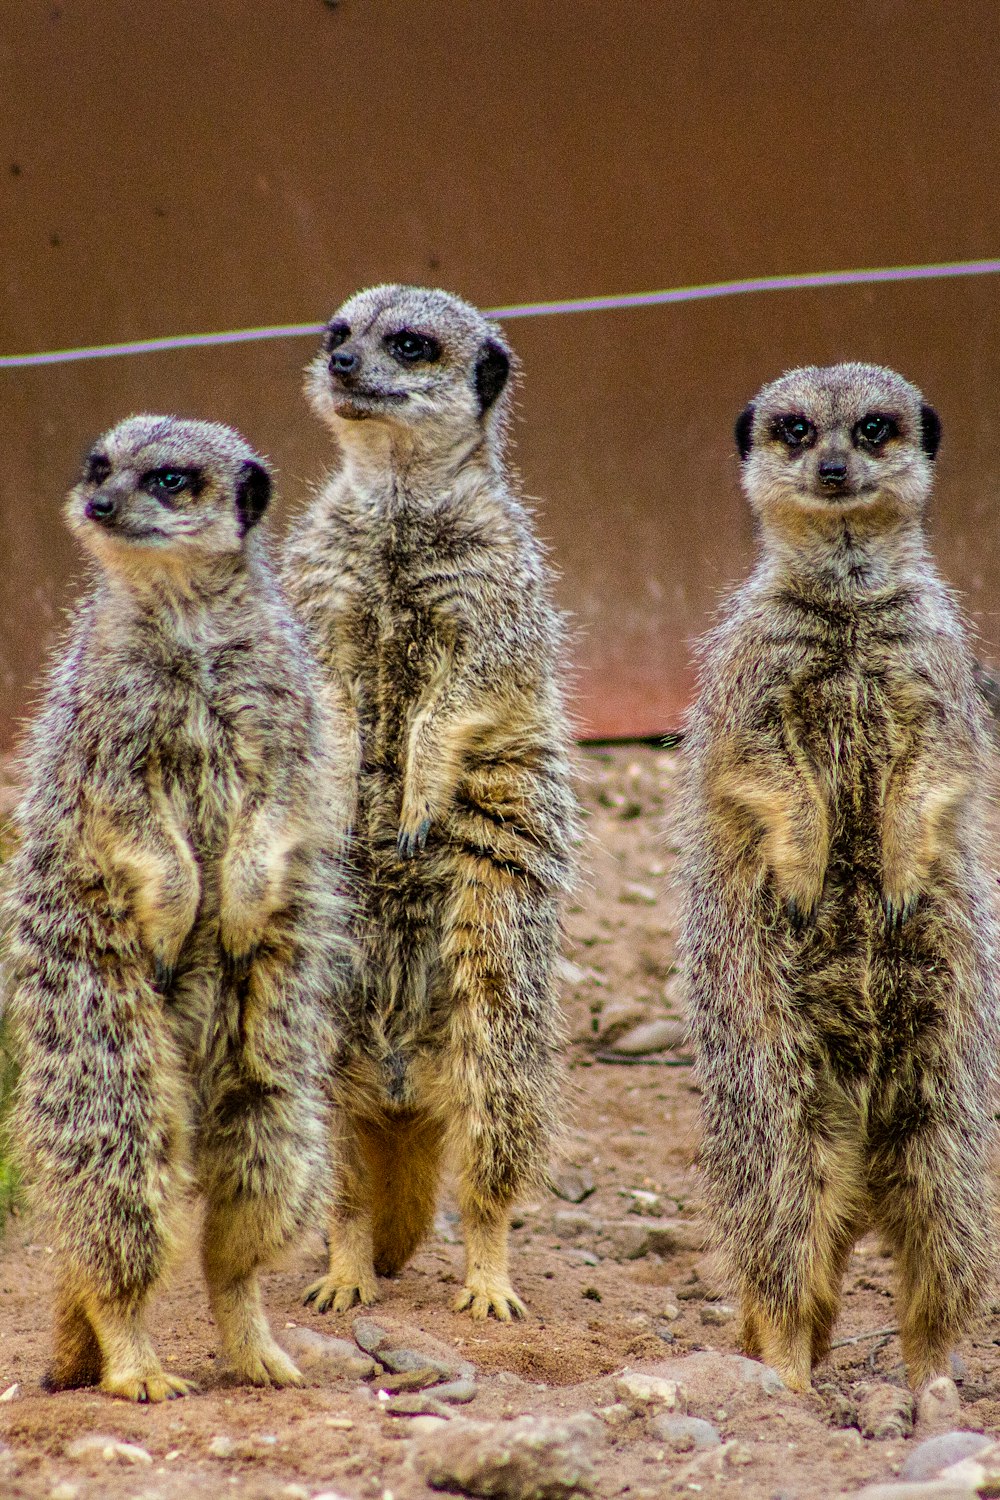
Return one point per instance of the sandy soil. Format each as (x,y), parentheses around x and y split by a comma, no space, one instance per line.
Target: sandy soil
(592,1312)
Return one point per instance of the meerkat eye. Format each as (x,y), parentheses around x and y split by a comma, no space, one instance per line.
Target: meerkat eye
(874,430)
(97,470)
(794,431)
(166,484)
(410,347)
(335,335)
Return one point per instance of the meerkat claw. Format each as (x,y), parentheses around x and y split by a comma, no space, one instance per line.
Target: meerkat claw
(164,975)
(504,1303)
(409,844)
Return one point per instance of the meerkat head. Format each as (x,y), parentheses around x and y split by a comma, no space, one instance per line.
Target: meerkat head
(406,357)
(160,492)
(851,441)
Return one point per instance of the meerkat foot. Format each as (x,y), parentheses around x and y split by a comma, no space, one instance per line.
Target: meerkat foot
(787,1348)
(339,1294)
(263,1363)
(146,1385)
(481,1296)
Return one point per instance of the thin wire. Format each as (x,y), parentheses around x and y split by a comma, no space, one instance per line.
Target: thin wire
(702,293)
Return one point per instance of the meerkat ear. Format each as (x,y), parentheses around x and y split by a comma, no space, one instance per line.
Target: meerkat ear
(253,493)
(492,369)
(744,429)
(930,430)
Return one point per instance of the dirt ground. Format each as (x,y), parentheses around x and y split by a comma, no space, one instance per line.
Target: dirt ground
(593,1311)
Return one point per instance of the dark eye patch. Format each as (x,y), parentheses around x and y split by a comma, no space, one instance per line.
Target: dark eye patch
(794,430)
(874,429)
(411,348)
(167,483)
(97,469)
(334,335)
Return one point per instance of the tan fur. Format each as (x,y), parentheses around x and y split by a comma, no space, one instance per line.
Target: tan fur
(840,931)
(427,598)
(178,938)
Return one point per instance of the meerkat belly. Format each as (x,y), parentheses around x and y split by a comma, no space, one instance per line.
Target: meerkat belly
(200,779)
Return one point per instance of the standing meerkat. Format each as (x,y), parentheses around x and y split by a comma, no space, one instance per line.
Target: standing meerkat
(176,922)
(427,599)
(840,936)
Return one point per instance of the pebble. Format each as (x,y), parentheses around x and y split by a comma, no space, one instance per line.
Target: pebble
(325,1358)
(100,1445)
(684,1434)
(617,1017)
(64,1491)
(570,1223)
(634,894)
(456,1392)
(632,1238)
(420,1404)
(927,1459)
(885,1411)
(939,1401)
(369,1335)
(652,1036)
(710,1380)
(413,1362)
(614,1416)
(717,1313)
(647,1393)
(530,1458)
(573,1184)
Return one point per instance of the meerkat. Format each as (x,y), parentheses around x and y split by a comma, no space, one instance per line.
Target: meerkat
(427,598)
(177,923)
(840,936)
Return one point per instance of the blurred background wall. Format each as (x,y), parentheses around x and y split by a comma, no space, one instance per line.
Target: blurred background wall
(207,164)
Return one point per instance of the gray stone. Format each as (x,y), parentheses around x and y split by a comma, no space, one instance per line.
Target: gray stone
(530,1458)
(417,1404)
(647,1393)
(110,1449)
(938,1402)
(714,1314)
(927,1459)
(710,1380)
(684,1434)
(570,1223)
(652,1036)
(885,1411)
(404,1360)
(456,1392)
(573,1184)
(617,1017)
(324,1358)
(369,1335)
(633,1238)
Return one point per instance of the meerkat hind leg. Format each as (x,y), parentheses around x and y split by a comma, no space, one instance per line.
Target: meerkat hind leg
(77,1358)
(487,1287)
(231,1257)
(350,1275)
(129,1366)
(404,1169)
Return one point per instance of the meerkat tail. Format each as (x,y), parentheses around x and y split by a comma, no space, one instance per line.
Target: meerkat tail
(404,1166)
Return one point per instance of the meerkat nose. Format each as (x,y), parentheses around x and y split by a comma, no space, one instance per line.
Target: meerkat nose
(343,363)
(832,472)
(100,508)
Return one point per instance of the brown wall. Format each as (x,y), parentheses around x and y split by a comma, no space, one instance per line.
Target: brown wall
(192,165)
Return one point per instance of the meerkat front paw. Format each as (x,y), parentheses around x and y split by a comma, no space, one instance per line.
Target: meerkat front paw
(236,965)
(900,898)
(412,837)
(265,1364)
(339,1294)
(146,1385)
(481,1296)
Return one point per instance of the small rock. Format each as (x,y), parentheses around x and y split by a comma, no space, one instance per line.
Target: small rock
(647,1393)
(456,1392)
(959,1369)
(634,894)
(717,1313)
(411,1380)
(412,1361)
(885,1411)
(570,1223)
(420,1404)
(632,1239)
(325,1358)
(738,1455)
(927,1459)
(222,1447)
(11,1392)
(670,1312)
(939,1402)
(369,1335)
(652,1036)
(99,1445)
(569,972)
(530,1458)
(618,1017)
(573,1184)
(710,1380)
(982,1470)
(615,1416)
(937,1489)
(684,1434)
(64,1491)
